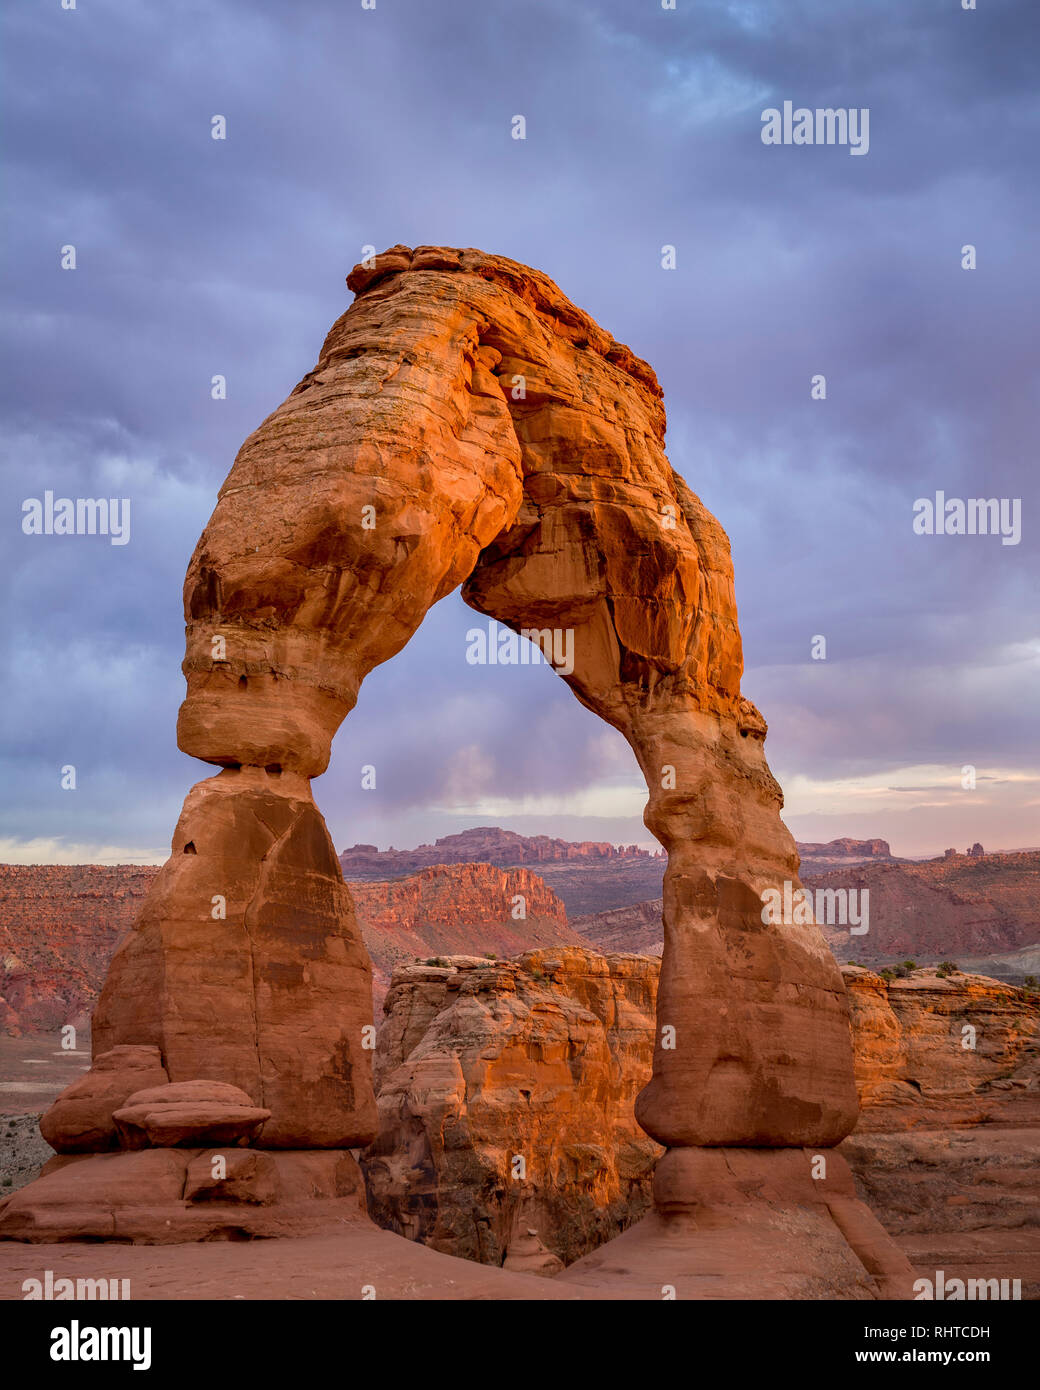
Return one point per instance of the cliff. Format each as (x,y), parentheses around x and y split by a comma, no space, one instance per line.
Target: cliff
(456,908)
(942,909)
(59,925)
(506,1095)
(541,1058)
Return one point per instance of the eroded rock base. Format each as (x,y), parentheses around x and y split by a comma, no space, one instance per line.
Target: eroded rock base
(170,1196)
(751,1224)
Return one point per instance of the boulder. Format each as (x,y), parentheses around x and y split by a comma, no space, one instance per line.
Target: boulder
(188,1114)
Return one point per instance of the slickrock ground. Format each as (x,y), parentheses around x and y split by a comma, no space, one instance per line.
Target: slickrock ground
(339,1265)
(476,1065)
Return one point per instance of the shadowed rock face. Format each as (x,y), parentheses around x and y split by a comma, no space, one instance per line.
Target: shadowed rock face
(466,423)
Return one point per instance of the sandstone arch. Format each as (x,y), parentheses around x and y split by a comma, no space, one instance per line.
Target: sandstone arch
(466,423)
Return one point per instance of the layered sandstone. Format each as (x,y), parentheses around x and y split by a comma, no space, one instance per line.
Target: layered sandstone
(932,1051)
(452,909)
(506,1102)
(246,965)
(942,909)
(469,1074)
(947,1150)
(459,908)
(59,925)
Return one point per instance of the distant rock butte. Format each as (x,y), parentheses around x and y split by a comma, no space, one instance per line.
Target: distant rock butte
(483,845)
(845,849)
(490,844)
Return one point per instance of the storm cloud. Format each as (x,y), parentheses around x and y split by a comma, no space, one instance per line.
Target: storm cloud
(347,127)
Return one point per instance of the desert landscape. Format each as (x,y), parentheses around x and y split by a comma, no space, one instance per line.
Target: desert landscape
(506,1066)
(500,1037)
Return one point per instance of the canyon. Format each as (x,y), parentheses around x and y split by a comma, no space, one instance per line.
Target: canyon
(505,1095)
(59,925)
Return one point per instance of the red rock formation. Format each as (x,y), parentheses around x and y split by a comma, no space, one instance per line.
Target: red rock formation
(169,1195)
(947,1147)
(466,422)
(538,1060)
(81,1119)
(932,1051)
(188,1114)
(468,1075)
(454,909)
(459,908)
(246,965)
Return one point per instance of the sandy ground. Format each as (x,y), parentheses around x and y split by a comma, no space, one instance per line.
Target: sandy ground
(341,1266)
(33,1071)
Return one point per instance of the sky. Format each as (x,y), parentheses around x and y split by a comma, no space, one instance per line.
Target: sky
(348,127)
